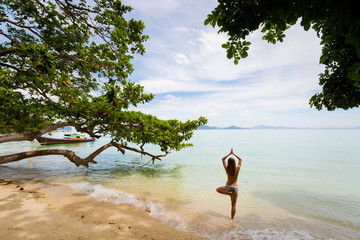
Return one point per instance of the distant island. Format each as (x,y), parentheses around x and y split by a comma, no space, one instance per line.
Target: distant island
(233,127)
(236,127)
(206,127)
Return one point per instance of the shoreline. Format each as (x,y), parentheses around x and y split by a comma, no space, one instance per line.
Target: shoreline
(40,210)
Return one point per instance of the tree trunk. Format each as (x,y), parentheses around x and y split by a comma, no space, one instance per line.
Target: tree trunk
(66,153)
(31,136)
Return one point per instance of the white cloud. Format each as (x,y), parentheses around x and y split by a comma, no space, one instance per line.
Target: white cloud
(162,85)
(172,99)
(184,29)
(186,66)
(199,57)
(181,58)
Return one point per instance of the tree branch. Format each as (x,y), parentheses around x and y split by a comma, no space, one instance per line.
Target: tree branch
(154,157)
(101,149)
(7,65)
(14,40)
(66,153)
(31,136)
(30,28)
(40,91)
(16,24)
(7,51)
(81,8)
(72,156)
(43,6)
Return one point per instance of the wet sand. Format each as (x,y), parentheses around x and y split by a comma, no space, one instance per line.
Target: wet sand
(48,211)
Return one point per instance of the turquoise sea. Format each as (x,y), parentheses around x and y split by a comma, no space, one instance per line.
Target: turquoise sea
(293,184)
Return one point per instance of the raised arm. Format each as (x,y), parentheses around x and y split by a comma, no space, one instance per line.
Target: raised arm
(224,162)
(240,160)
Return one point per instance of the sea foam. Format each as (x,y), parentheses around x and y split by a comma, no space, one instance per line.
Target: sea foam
(180,222)
(117,197)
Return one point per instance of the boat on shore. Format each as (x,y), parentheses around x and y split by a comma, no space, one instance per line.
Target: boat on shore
(68,138)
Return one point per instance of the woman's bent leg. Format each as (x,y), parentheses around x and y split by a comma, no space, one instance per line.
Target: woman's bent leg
(223,190)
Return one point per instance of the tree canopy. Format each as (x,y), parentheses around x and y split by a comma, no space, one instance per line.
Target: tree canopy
(335,22)
(67,63)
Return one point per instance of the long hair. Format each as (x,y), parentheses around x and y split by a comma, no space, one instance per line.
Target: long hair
(231,166)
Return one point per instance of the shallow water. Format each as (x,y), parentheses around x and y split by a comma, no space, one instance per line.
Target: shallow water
(294,184)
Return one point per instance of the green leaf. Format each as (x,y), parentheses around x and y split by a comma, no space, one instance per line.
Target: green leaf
(307,26)
(207,21)
(60,74)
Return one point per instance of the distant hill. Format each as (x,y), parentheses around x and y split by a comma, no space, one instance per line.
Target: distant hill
(206,127)
(234,127)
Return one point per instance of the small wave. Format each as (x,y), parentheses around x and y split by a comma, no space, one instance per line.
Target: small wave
(258,233)
(188,223)
(278,235)
(117,197)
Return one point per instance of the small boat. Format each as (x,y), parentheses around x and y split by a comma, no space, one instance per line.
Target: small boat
(74,136)
(68,138)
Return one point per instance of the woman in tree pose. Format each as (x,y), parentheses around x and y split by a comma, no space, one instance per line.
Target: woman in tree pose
(231,187)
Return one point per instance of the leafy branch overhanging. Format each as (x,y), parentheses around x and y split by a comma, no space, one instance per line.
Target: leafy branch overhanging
(68,63)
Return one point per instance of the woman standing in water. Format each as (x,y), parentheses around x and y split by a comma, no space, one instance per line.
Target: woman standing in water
(231,187)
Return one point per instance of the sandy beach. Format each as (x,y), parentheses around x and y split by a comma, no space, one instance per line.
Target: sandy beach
(49,211)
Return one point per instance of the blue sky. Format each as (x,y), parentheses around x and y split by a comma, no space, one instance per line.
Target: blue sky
(187,70)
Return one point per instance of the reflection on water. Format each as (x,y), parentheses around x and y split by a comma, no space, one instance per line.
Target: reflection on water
(136,167)
(332,205)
